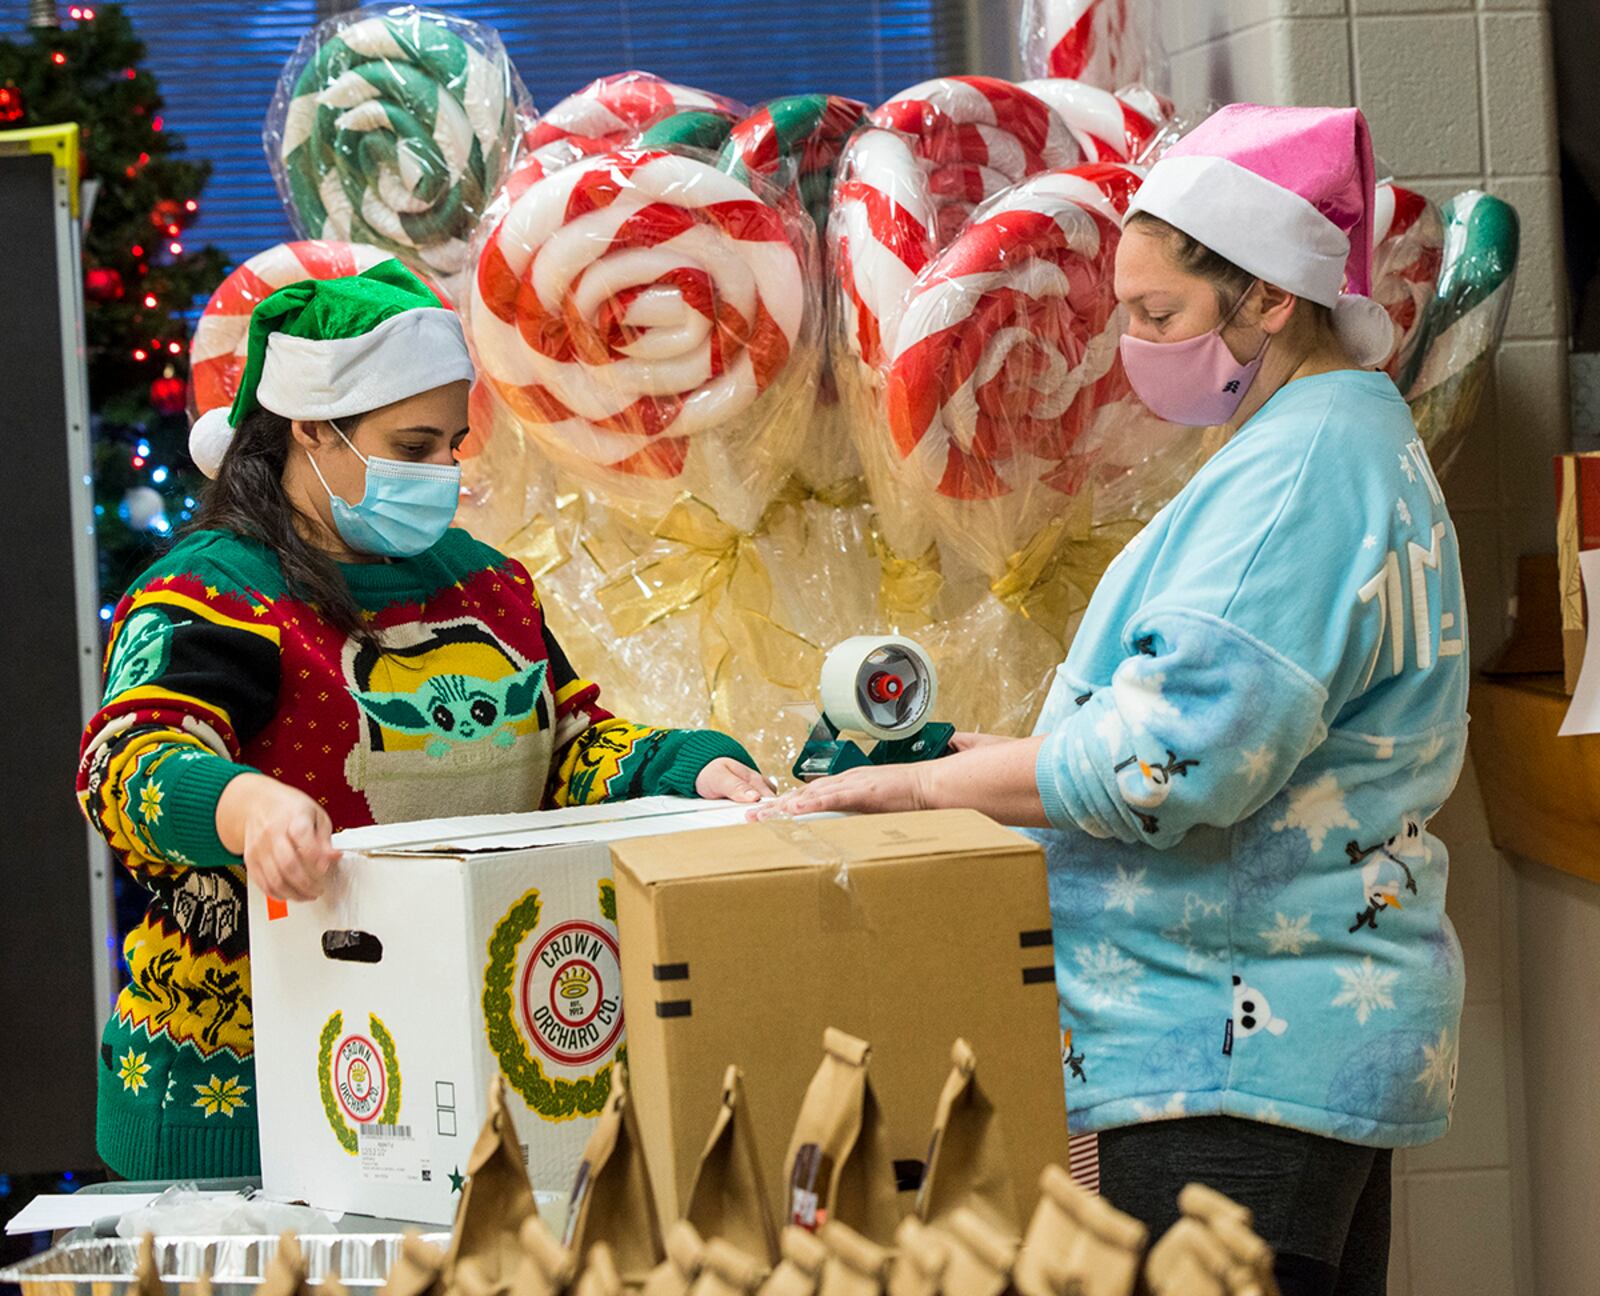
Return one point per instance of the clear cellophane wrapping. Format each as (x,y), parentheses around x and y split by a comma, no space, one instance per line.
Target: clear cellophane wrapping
(395,126)
(1107,43)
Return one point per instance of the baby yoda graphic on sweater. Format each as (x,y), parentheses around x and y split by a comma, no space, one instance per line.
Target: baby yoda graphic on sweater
(444,703)
(1262,709)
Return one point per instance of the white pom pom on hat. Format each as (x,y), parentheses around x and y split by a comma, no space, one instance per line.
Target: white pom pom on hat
(1365,329)
(209,439)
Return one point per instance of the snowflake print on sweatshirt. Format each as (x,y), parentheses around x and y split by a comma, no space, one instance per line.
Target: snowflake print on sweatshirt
(1262,708)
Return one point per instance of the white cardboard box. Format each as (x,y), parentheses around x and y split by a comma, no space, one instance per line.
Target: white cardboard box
(445,951)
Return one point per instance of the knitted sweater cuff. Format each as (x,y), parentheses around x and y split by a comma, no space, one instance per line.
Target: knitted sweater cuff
(696,749)
(191,811)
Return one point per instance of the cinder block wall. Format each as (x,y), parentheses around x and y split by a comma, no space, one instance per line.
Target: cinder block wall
(1460,95)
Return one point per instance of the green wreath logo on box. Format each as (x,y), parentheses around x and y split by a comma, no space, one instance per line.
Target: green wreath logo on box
(567,1004)
(359,1076)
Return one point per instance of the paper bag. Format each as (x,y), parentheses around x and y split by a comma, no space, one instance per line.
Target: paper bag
(725,1270)
(612,1201)
(967,1153)
(485,1250)
(799,1271)
(921,1254)
(286,1271)
(980,1256)
(1211,1248)
(600,1276)
(838,1166)
(1077,1243)
(729,1197)
(147,1278)
(676,1274)
(417,1271)
(855,1265)
(544,1266)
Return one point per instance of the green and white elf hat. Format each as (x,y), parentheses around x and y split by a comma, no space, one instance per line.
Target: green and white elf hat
(331,348)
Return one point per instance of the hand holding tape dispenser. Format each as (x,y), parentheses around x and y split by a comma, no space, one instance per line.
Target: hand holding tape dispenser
(883,686)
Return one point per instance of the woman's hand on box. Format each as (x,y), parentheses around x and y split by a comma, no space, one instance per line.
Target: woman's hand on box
(726,779)
(869,789)
(286,838)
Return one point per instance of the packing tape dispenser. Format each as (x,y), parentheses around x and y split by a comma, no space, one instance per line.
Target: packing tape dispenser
(883,686)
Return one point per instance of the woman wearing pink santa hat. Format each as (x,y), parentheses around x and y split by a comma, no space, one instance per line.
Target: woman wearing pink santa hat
(1263,707)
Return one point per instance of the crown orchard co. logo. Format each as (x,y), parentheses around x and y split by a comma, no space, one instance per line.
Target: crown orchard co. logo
(359,1076)
(552,1006)
(572,993)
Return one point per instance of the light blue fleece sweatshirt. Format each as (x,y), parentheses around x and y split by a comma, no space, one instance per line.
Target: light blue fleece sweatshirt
(1263,707)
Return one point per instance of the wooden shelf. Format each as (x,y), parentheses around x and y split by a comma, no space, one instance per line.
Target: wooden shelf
(1541,792)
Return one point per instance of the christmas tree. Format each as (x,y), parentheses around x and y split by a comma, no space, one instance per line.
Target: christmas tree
(139,276)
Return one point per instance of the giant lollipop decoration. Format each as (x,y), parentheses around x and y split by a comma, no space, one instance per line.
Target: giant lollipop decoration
(394,128)
(606,114)
(217,349)
(1408,245)
(995,369)
(651,322)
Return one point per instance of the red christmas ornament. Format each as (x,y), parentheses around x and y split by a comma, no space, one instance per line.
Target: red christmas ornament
(10,104)
(103,284)
(167,213)
(168,395)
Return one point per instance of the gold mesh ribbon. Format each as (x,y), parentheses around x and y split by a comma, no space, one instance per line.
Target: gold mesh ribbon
(700,558)
(907,587)
(1050,579)
(542,544)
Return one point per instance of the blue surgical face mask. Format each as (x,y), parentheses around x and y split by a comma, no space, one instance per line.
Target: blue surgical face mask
(405,509)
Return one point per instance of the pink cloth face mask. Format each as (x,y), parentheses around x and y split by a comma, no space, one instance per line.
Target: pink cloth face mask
(1196,382)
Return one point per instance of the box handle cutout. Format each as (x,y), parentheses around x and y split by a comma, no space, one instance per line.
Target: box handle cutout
(352,946)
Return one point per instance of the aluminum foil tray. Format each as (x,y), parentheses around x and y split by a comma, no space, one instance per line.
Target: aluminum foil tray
(237,1265)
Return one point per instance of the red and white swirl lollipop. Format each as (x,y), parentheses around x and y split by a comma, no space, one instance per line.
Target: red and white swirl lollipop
(975,136)
(996,368)
(605,115)
(217,349)
(650,321)
(1108,127)
(1408,240)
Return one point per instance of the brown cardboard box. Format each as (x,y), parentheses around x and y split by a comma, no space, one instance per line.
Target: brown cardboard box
(742,944)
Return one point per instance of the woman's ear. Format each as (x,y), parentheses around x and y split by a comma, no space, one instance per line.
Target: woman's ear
(1276,307)
(310,435)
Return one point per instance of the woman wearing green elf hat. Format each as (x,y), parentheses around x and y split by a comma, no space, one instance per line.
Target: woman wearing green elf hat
(322,652)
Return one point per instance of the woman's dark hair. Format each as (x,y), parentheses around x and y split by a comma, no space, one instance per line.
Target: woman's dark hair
(248,499)
(1229,281)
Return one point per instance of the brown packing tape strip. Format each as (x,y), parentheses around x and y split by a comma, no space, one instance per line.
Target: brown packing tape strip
(416,1272)
(613,1201)
(729,1197)
(484,1247)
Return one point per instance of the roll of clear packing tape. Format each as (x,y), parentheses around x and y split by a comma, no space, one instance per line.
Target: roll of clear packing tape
(880,685)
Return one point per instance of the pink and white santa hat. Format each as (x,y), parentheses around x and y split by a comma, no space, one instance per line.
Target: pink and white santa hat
(1287,194)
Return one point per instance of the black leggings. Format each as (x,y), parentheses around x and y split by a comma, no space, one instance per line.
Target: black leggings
(1322,1205)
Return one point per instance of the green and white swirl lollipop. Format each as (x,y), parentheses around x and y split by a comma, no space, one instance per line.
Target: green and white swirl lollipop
(395,129)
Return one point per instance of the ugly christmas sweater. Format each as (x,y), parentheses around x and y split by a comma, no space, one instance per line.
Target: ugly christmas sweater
(214,670)
(1263,707)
